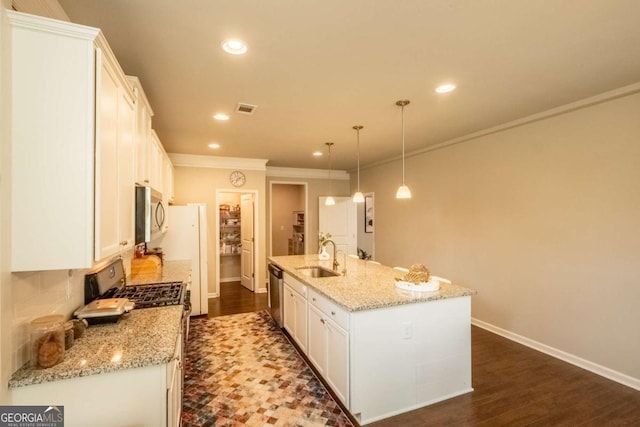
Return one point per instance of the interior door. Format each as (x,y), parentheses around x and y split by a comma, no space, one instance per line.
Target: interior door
(339,220)
(246,235)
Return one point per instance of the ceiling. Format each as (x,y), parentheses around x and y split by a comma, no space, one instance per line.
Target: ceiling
(317,68)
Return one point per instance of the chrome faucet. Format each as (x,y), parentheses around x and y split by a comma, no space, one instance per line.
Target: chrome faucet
(344,262)
(335,260)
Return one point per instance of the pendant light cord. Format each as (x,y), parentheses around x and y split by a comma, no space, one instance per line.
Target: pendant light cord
(357,128)
(402,144)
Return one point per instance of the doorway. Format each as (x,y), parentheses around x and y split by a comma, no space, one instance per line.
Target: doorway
(236,252)
(288,218)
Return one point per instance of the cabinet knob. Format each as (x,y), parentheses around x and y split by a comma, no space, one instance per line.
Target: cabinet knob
(146,180)
(313,299)
(333,313)
(123,243)
(322,320)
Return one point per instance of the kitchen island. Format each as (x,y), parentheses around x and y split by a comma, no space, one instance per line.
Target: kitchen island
(382,350)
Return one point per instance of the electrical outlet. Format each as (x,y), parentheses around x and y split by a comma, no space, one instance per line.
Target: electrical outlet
(407,330)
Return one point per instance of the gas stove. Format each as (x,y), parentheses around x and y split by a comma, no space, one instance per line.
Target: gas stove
(150,295)
(109,282)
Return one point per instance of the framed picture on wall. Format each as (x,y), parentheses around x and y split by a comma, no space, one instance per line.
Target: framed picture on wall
(368,214)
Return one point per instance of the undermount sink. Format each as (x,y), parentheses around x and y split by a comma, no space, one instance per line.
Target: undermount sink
(317,271)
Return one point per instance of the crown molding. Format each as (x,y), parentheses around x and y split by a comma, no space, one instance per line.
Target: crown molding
(214,162)
(281,172)
(563,109)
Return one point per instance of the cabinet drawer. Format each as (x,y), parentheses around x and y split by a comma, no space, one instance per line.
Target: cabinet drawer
(330,309)
(296,285)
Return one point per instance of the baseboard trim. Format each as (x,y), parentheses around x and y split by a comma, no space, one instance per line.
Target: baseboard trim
(230,279)
(213,295)
(603,371)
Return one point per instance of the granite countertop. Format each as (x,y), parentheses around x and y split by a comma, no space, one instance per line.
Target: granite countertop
(366,285)
(141,338)
(171,271)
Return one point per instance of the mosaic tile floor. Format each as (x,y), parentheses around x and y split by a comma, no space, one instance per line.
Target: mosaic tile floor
(241,370)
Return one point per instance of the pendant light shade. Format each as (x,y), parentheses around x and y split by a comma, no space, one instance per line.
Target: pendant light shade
(358,197)
(403,191)
(329,200)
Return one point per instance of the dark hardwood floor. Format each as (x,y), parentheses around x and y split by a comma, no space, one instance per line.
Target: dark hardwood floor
(235,298)
(514,385)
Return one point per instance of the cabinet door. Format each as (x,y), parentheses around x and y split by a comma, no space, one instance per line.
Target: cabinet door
(155,162)
(167,179)
(337,368)
(317,351)
(301,321)
(289,309)
(107,100)
(126,168)
(143,135)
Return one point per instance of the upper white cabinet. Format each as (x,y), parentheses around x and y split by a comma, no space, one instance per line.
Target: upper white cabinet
(115,161)
(142,138)
(167,179)
(72,125)
(155,162)
(52,170)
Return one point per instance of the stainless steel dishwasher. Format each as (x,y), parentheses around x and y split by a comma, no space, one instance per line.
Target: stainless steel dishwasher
(275,293)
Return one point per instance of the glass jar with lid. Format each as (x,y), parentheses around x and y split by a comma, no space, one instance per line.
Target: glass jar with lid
(47,341)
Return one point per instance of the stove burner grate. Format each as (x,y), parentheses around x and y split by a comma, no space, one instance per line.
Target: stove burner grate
(151,295)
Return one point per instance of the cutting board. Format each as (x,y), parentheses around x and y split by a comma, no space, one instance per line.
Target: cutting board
(146,264)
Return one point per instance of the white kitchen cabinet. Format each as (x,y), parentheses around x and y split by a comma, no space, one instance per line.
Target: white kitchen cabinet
(57,91)
(155,162)
(148,396)
(175,380)
(142,139)
(328,346)
(167,179)
(295,310)
(115,190)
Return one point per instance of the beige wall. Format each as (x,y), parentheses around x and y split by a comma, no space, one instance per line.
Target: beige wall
(290,198)
(542,219)
(199,185)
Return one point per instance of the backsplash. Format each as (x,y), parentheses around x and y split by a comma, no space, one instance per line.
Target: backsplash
(38,294)
(41,293)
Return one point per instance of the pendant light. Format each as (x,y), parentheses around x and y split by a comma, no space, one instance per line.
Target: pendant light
(358,197)
(403,191)
(329,201)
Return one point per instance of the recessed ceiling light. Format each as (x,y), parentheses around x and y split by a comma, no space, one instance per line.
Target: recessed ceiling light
(221,116)
(317,153)
(234,47)
(214,145)
(445,88)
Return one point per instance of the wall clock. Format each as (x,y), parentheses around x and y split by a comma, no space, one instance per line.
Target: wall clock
(237,178)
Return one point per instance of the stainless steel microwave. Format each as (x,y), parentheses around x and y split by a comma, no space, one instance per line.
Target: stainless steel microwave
(150,214)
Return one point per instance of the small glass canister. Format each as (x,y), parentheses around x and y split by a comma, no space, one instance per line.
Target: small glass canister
(79,327)
(68,335)
(47,341)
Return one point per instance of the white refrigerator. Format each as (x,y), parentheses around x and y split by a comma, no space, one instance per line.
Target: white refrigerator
(186,239)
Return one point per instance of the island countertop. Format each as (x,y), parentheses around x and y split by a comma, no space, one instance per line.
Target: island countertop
(141,338)
(366,285)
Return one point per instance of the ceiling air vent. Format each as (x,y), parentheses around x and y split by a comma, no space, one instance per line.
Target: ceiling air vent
(245,108)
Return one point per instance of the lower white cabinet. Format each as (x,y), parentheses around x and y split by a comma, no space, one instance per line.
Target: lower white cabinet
(328,346)
(175,386)
(295,311)
(150,396)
